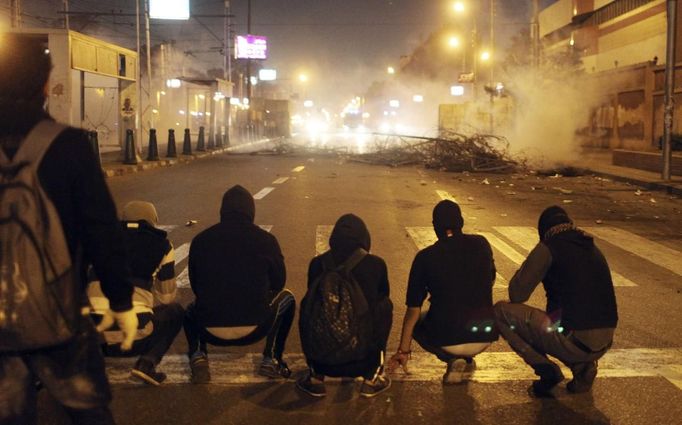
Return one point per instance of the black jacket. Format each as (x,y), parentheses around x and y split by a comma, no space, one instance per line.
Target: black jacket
(235,267)
(457,273)
(73,180)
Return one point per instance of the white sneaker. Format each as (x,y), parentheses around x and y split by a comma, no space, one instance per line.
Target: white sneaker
(455,372)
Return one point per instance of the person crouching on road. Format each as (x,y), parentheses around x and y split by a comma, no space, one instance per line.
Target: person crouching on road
(152,264)
(457,273)
(578,324)
(348,339)
(237,274)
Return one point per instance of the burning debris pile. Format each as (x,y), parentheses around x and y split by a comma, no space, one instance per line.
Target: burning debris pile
(451,152)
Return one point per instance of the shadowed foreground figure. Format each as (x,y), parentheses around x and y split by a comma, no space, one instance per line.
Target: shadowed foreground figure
(237,273)
(72,371)
(457,274)
(581,316)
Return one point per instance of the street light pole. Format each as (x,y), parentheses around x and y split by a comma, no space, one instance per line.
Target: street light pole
(15,10)
(669,89)
(149,65)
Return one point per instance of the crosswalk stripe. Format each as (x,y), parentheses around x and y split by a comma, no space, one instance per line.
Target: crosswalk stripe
(298,169)
(263,192)
(322,234)
(503,247)
(167,227)
(654,252)
(181,252)
(445,195)
(182,280)
(492,367)
(280,180)
(424,236)
(527,237)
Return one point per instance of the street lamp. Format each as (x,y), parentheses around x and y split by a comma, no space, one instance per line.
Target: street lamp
(458,6)
(485,55)
(303,78)
(390,70)
(453,41)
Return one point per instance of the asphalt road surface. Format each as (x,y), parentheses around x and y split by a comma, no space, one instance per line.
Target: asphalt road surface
(299,197)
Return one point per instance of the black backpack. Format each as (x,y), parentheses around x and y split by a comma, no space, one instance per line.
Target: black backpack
(39,295)
(335,321)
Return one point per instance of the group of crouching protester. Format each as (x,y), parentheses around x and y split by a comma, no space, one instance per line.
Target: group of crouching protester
(237,274)
(62,243)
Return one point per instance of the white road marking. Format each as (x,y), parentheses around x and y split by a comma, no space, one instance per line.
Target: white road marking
(263,192)
(167,227)
(655,252)
(444,195)
(492,367)
(425,236)
(322,234)
(527,237)
(181,252)
(182,280)
(503,247)
(280,180)
(298,169)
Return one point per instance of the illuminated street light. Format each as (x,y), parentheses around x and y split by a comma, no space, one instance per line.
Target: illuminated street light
(485,55)
(453,41)
(458,6)
(308,104)
(303,78)
(457,90)
(417,98)
(390,70)
(394,103)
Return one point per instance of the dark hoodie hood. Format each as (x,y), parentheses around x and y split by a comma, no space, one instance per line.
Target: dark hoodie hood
(550,217)
(447,216)
(238,205)
(349,234)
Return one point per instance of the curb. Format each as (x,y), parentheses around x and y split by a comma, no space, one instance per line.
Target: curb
(120,169)
(673,189)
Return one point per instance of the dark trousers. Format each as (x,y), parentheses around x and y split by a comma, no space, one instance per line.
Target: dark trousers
(275,329)
(531,334)
(373,363)
(72,373)
(167,320)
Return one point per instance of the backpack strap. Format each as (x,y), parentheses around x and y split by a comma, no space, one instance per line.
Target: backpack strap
(354,259)
(38,140)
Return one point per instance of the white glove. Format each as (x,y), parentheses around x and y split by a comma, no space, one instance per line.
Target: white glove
(126,321)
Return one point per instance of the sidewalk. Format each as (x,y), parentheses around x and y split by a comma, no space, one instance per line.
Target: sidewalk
(599,162)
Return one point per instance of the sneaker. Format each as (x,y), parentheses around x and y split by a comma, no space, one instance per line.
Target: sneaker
(274,368)
(454,374)
(470,368)
(583,377)
(374,387)
(144,370)
(199,367)
(312,385)
(550,376)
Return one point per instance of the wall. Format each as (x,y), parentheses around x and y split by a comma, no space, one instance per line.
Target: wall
(555,16)
(60,87)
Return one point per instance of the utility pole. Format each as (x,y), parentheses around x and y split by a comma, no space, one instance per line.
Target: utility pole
(248,61)
(668,99)
(535,36)
(149,64)
(66,15)
(138,80)
(492,40)
(15,13)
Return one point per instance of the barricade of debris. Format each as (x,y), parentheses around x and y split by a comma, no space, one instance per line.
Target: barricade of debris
(451,152)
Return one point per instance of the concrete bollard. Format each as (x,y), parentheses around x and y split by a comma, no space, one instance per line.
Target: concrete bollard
(130,157)
(187,143)
(210,145)
(170,150)
(201,145)
(153,153)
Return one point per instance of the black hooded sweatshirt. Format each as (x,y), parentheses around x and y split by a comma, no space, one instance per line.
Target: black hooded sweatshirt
(371,273)
(235,267)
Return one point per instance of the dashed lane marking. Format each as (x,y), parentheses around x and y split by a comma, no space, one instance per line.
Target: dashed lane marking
(425,236)
(280,180)
(298,169)
(322,234)
(654,252)
(492,367)
(527,237)
(263,192)
(182,280)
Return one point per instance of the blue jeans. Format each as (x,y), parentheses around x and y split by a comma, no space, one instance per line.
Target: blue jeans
(73,373)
